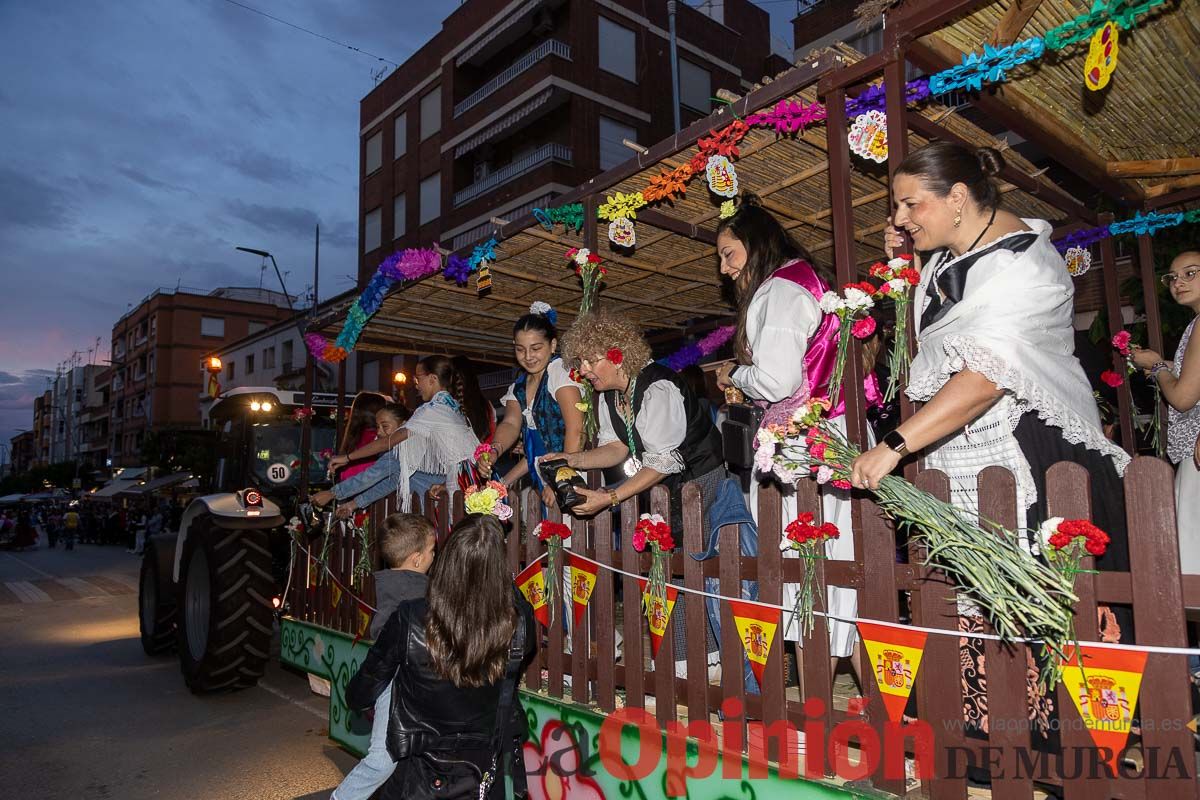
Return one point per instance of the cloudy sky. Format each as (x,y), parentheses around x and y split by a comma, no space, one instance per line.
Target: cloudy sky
(144,139)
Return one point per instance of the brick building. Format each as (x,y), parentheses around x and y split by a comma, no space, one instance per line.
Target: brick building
(513,103)
(22,449)
(156,353)
(41,428)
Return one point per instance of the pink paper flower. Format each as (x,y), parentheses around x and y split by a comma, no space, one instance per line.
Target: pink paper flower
(863,328)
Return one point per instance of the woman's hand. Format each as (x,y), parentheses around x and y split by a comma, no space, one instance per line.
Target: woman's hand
(437,490)
(872,466)
(486,460)
(321,498)
(337,462)
(595,501)
(548,497)
(724,381)
(1144,359)
(346,510)
(893,240)
(556,457)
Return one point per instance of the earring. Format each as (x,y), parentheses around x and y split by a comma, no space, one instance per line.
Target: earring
(958,218)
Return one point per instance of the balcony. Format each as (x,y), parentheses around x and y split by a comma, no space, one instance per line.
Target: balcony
(546,153)
(550,47)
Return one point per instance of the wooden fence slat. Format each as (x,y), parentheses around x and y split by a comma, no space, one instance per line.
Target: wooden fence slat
(1159,620)
(1007,665)
(580,638)
(694,540)
(533,549)
(770,590)
(939,691)
(555,652)
(814,666)
(732,652)
(631,604)
(664,664)
(604,603)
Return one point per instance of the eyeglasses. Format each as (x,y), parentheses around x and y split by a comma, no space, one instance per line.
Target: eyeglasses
(1186,276)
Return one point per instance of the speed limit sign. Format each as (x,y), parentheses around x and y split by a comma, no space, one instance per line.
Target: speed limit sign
(278,473)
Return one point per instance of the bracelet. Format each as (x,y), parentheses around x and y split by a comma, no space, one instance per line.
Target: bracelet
(612,496)
(1158,367)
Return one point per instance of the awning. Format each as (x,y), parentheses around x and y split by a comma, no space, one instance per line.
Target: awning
(9,499)
(113,488)
(163,482)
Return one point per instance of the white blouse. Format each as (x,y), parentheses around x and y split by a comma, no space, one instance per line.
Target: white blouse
(782,317)
(556,376)
(661,423)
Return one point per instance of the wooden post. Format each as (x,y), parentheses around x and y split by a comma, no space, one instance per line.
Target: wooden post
(306,426)
(604,614)
(1112,303)
(341,402)
(696,622)
(664,664)
(1154,337)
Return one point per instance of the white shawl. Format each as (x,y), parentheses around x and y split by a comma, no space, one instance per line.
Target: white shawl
(439,439)
(1013,325)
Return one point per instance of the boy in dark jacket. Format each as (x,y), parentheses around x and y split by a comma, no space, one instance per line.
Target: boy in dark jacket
(406,544)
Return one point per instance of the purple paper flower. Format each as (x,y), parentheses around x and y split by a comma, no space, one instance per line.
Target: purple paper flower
(458,269)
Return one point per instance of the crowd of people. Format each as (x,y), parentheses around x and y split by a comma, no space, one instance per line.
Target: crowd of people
(69,523)
(995,371)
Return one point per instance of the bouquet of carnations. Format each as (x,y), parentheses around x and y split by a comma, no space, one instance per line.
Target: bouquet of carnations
(591,272)
(488,499)
(896,279)
(1122,343)
(553,534)
(853,308)
(808,540)
(654,532)
(360,527)
(1065,543)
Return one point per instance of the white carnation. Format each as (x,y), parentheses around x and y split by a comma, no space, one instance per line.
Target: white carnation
(858,300)
(830,302)
(898,263)
(1046,530)
(581,256)
(897,286)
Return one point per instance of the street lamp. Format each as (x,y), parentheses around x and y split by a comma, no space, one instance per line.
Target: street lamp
(278,274)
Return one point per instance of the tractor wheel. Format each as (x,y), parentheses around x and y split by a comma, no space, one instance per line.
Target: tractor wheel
(156,608)
(225,613)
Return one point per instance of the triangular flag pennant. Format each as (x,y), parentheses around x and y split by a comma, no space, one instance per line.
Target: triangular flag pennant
(363,616)
(657,614)
(1105,692)
(583,581)
(756,625)
(532,583)
(335,597)
(895,655)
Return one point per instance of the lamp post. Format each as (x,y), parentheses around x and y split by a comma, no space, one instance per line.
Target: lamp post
(278,274)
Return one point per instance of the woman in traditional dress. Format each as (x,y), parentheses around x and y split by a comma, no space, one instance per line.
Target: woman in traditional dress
(1179,382)
(541,407)
(651,423)
(436,444)
(785,349)
(361,430)
(995,367)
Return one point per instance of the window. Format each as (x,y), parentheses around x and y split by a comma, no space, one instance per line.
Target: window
(153,324)
(373,156)
(401,135)
(250,364)
(269,358)
(399,209)
(372,230)
(612,134)
(230,372)
(431,197)
(254,326)
(150,364)
(287,356)
(431,113)
(695,87)
(212,326)
(618,50)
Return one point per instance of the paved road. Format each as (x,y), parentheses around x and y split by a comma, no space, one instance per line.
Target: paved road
(85,714)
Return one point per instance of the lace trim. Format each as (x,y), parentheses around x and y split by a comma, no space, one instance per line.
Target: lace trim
(666,463)
(962,352)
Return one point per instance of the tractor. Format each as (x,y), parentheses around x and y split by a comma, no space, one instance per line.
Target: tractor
(213,588)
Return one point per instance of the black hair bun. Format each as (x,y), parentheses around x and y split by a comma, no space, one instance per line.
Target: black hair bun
(991,163)
(748,199)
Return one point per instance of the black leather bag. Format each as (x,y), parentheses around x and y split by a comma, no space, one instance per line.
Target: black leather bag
(738,432)
(454,776)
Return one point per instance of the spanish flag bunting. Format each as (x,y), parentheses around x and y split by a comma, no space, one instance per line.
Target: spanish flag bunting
(658,614)
(583,581)
(895,655)
(363,617)
(1105,691)
(335,597)
(532,583)
(756,626)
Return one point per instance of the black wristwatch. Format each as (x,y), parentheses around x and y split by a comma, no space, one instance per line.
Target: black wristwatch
(895,442)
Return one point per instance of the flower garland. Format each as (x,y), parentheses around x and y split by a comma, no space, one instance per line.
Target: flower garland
(897,277)
(802,536)
(1139,224)
(553,534)
(694,353)
(654,531)
(488,499)
(569,216)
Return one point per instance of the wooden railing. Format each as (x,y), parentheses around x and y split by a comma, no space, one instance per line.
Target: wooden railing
(1153,588)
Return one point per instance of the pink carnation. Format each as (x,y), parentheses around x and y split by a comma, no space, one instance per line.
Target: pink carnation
(1121,342)
(841,483)
(639,540)
(863,328)
(824,474)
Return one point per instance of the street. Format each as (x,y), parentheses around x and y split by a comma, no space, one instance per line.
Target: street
(86,714)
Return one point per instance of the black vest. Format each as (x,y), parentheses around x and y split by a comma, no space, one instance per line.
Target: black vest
(701,448)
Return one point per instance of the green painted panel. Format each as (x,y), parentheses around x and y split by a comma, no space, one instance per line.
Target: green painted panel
(334,656)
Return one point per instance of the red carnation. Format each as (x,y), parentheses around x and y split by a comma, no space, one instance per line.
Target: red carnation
(1111,378)
(911,275)
(615,356)
(829,530)
(878,270)
(548,530)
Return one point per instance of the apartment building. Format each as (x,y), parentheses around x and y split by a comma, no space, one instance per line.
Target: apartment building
(41,428)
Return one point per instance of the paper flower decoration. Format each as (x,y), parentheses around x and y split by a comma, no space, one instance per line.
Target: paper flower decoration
(868,136)
(1079,261)
(1102,57)
(622,233)
(722,177)
(990,67)
(728,209)
(621,206)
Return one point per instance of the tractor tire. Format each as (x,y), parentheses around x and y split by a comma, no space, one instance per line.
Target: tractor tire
(156,608)
(225,613)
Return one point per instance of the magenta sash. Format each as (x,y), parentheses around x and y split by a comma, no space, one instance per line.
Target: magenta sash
(821,356)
